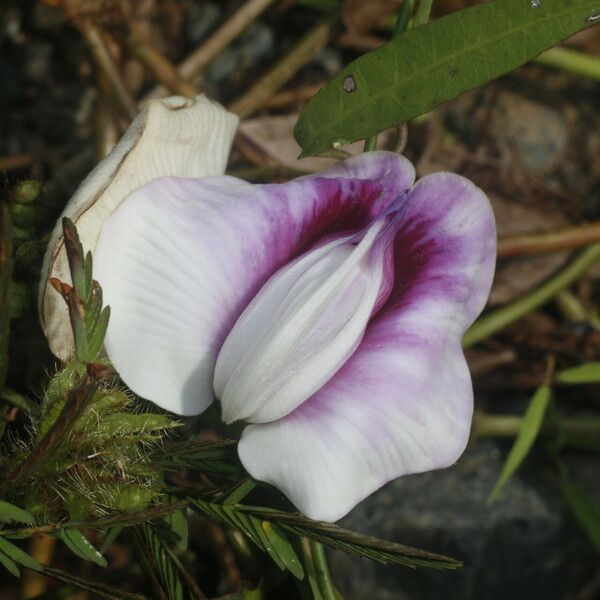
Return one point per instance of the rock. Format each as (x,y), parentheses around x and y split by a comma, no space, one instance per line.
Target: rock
(536,135)
(525,545)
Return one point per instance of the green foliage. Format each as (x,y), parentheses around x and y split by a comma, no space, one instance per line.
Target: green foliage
(79,545)
(209,457)
(11,513)
(588,373)
(248,519)
(84,299)
(11,555)
(532,422)
(433,63)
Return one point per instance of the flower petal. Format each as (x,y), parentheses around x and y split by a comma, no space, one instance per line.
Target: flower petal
(185,137)
(300,328)
(403,402)
(180,259)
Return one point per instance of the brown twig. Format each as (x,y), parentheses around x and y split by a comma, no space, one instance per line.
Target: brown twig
(95,41)
(299,95)
(155,62)
(285,69)
(17,161)
(539,243)
(198,60)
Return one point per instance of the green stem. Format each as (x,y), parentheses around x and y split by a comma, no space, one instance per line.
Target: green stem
(500,318)
(423,12)
(322,571)
(404,15)
(371,143)
(485,425)
(572,61)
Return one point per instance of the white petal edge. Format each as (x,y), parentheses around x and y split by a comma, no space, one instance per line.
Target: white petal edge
(175,136)
(299,329)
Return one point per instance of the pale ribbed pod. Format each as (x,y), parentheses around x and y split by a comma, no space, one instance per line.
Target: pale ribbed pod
(176,136)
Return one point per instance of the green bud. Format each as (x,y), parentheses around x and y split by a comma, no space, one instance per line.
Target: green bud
(27,191)
(22,234)
(78,507)
(24,215)
(28,256)
(130,498)
(35,503)
(65,380)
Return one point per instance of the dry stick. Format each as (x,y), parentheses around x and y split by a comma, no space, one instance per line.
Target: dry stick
(93,37)
(285,69)
(563,239)
(501,317)
(198,60)
(294,96)
(158,64)
(17,161)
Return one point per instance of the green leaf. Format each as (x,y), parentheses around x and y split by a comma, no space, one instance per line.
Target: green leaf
(532,421)
(241,491)
(178,523)
(585,510)
(167,565)
(283,548)
(79,545)
(111,536)
(96,337)
(17,555)
(10,513)
(209,457)
(589,373)
(433,63)
(9,564)
(351,542)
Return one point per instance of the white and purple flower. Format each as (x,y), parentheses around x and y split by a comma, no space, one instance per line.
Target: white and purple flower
(326,312)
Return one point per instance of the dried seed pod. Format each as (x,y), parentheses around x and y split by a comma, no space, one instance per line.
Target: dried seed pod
(173,136)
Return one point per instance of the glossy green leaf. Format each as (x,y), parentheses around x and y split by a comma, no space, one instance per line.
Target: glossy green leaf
(589,373)
(79,545)
(11,513)
(433,63)
(532,421)
(17,555)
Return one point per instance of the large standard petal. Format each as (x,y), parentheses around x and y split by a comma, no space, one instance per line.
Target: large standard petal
(180,259)
(183,137)
(403,402)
